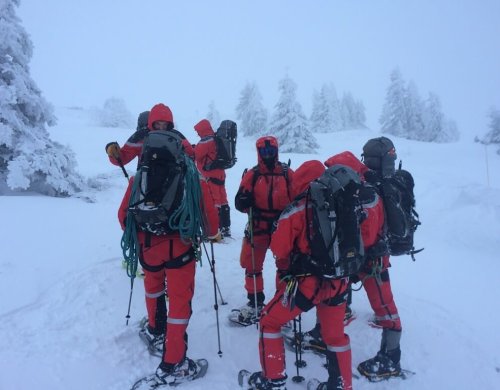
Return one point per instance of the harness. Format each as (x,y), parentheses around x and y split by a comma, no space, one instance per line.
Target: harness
(259,214)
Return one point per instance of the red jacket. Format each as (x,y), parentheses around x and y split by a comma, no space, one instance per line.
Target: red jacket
(133,146)
(206,150)
(271,189)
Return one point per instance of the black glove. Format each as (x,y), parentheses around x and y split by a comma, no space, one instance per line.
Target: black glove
(244,200)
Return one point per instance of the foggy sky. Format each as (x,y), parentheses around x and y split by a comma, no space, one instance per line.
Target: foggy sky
(188,53)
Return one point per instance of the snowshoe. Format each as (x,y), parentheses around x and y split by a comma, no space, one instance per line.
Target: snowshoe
(257,381)
(314,384)
(187,370)
(153,341)
(310,341)
(245,316)
(381,367)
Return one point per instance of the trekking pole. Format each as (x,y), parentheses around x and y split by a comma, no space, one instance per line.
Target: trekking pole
(250,225)
(212,268)
(216,306)
(298,350)
(120,163)
(130,299)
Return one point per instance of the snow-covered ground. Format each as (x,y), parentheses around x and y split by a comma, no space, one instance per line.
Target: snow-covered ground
(64,294)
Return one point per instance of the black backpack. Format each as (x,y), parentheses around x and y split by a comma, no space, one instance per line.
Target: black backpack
(159,183)
(225,140)
(334,233)
(396,189)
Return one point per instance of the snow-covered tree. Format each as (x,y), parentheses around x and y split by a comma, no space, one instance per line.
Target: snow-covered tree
(115,113)
(414,111)
(325,116)
(493,135)
(251,112)
(405,115)
(289,124)
(213,115)
(393,110)
(29,159)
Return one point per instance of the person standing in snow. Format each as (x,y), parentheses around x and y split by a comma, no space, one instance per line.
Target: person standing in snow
(327,295)
(132,148)
(265,190)
(205,153)
(375,276)
(170,259)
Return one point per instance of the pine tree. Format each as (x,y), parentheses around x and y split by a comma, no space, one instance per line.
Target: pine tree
(493,136)
(325,116)
(289,124)
(393,111)
(29,159)
(115,114)
(414,112)
(250,111)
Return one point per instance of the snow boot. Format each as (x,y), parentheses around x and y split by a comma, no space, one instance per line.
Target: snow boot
(173,374)
(226,232)
(383,366)
(313,340)
(248,315)
(154,340)
(259,382)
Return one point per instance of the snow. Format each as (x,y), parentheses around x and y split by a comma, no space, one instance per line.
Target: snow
(64,294)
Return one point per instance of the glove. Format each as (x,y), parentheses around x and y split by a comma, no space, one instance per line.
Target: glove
(113,150)
(216,238)
(245,200)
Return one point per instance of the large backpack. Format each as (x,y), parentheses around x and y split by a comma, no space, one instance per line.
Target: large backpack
(334,233)
(225,140)
(396,189)
(159,188)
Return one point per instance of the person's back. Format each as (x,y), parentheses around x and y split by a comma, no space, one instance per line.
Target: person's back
(205,154)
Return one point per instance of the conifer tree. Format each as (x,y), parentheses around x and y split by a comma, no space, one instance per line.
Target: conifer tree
(251,112)
(289,124)
(493,135)
(29,159)
(393,111)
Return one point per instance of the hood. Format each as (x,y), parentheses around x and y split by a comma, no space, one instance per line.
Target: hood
(305,174)
(204,128)
(142,120)
(160,112)
(262,142)
(350,160)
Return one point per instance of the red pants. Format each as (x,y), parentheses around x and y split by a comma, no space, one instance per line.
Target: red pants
(218,192)
(261,244)
(379,292)
(329,299)
(180,282)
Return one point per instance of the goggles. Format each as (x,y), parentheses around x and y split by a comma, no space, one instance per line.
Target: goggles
(268,151)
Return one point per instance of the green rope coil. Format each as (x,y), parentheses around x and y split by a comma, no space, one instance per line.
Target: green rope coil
(130,242)
(187,218)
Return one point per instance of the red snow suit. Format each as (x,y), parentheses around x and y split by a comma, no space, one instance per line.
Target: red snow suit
(269,191)
(206,152)
(328,296)
(378,288)
(133,146)
(167,260)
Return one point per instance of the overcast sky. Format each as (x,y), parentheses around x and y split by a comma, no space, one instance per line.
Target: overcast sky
(187,53)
